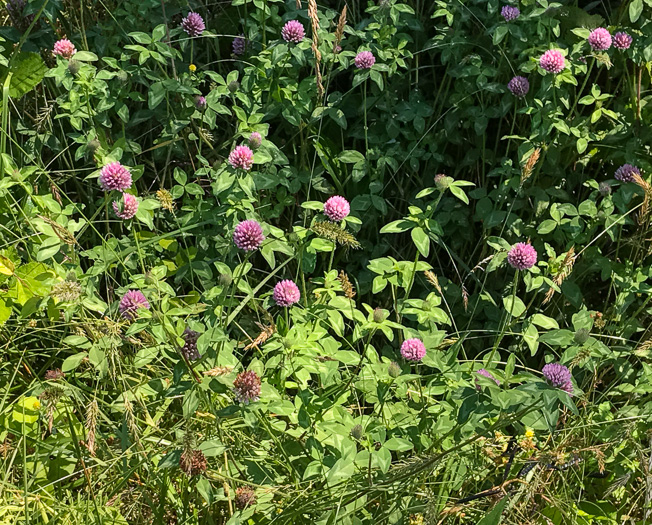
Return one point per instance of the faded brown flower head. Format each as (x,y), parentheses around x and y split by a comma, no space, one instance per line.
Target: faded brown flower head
(244,497)
(54,374)
(247,387)
(193,462)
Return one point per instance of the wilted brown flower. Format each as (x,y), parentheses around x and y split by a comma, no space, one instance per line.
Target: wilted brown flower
(193,462)
(244,497)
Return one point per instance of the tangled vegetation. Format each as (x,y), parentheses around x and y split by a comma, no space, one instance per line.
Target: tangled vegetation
(286,262)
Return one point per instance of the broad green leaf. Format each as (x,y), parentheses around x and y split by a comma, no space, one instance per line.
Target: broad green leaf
(27,72)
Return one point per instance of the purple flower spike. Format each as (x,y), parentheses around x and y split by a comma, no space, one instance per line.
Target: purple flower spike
(519,86)
(558,376)
(127,208)
(622,41)
(510,13)
(600,39)
(115,176)
(242,157)
(286,293)
(522,256)
(239,45)
(255,140)
(248,235)
(364,60)
(247,387)
(626,173)
(64,48)
(413,349)
(131,302)
(293,32)
(337,208)
(484,373)
(552,61)
(193,24)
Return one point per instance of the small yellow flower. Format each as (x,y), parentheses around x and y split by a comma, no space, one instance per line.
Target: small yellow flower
(529,433)
(36,405)
(192,68)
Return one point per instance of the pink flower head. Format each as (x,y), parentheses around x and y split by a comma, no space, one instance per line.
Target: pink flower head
(622,41)
(255,140)
(364,60)
(600,39)
(413,349)
(522,256)
(510,13)
(552,61)
(626,173)
(64,48)
(200,102)
(242,157)
(193,24)
(337,208)
(127,208)
(558,376)
(248,235)
(293,31)
(484,373)
(115,176)
(131,302)
(286,293)
(247,387)
(519,86)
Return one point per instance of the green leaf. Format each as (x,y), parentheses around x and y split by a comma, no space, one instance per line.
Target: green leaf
(397,226)
(500,33)
(514,306)
(351,157)
(72,362)
(85,56)
(495,516)
(27,72)
(544,321)
(459,193)
(399,444)
(635,10)
(421,241)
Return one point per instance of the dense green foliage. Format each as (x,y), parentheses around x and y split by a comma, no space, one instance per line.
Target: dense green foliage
(139,416)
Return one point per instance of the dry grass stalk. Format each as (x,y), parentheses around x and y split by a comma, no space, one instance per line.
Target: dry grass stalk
(264,335)
(528,167)
(644,214)
(218,371)
(165,198)
(339,31)
(91,425)
(349,291)
(314,19)
(432,279)
(60,231)
(564,272)
(335,233)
